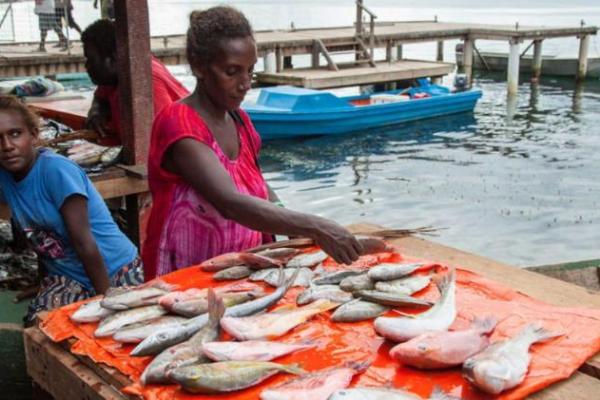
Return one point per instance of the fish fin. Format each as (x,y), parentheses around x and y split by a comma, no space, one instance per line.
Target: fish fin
(538,333)
(445,280)
(485,325)
(404,314)
(290,281)
(284,308)
(295,369)
(322,305)
(216,308)
(439,394)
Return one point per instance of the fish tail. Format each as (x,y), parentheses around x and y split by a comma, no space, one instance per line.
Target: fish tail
(290,281)
(295,369)
(216,308)
(439,394)
(445,281)
(322,305)
(535,332)
(485,325)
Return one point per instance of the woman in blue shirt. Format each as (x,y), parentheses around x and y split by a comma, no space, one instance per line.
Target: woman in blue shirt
(53,202)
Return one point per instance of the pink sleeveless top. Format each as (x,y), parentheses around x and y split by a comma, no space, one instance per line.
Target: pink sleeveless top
(184,229)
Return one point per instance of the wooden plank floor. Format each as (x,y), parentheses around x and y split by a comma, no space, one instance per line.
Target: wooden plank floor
(365,75)
(84,379)
(22,59)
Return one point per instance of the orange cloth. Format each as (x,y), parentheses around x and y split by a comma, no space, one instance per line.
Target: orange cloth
(343,343)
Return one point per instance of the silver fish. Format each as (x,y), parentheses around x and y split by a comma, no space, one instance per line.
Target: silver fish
(261,274)
(195,307)
(388,272)
(137,332)
(250,350)
(136,296)
(168,337)
(91,312)
(227,376)
(333,278)
(303,276)
(307,260)
(437,318)
(113,323)
(503,365)
(391,299)
(357,310)
(188,352)
(232,273)
(283,254)
(406,286)
(328,292)
(375,393)
(358,282)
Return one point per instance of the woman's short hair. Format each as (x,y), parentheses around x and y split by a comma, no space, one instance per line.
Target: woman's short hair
(208,28)
(12,103)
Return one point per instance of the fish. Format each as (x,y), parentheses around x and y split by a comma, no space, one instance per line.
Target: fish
(227,376)
(303,277)
(388,272)
(358,282)
(188,352)
(111,155)
(91,312)
(137,296)
(233,273)
(504,364)
(273,324)
(376,393)
(113,323)
(261,274)
(328,292)
(372,245)
(357,310)
(250,350)
(336,277)
(228,260)
(391,299)
(282,254)
(307,260)
(164,338)
(139,331)
(193,308)
(314,386)
(437,350)
(437,318)
(406,286)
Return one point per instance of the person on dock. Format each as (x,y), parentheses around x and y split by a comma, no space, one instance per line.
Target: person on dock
(56,207)
(100,51)
(45,10)
(107,9)
(209,195)
(63,9)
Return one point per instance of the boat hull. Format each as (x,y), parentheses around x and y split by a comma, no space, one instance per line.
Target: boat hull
(287,124)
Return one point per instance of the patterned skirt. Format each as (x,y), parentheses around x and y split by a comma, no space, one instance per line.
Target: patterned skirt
(57,291)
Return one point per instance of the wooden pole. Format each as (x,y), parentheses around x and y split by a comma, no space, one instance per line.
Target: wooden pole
(359,10)
(468,59)
(135,92)
(513,67)
(270,60)
(584,44)
(440,51)
(536,66)
(399,52)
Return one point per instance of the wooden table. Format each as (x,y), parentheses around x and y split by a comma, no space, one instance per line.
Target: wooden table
(68,376)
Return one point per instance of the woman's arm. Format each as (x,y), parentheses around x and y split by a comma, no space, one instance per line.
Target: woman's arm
(200,167)
(74,212)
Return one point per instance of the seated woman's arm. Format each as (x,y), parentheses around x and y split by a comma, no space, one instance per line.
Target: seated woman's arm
(199,166)
(74,212)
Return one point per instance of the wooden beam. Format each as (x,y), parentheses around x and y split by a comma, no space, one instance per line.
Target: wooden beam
(440,51)
(468,59)
(536,64)
(584,45)
(513,67)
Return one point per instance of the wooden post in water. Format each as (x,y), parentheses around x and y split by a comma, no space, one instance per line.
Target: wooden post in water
(135,91)
(468,45)
(513,67)
(536,65)
(584,44)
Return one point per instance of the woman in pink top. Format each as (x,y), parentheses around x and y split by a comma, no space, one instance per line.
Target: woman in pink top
(208,191)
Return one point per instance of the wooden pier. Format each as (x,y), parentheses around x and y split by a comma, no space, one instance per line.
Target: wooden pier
(324,44)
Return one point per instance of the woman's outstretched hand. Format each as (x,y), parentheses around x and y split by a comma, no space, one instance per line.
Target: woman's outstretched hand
(336,241)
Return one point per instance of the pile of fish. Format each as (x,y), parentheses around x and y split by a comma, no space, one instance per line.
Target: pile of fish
(181,329)
(18,267)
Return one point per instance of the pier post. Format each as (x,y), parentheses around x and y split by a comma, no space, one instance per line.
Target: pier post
(468,59)
(440,51)
(399,52)
(270,62)
(513,67)
(536,66)
(584,44)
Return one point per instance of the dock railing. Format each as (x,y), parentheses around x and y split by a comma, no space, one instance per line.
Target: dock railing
(360,34)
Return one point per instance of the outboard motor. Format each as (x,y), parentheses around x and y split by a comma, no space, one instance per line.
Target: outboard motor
(460,83)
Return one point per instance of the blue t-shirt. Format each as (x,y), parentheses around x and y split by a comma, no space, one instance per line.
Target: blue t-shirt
(35,204)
